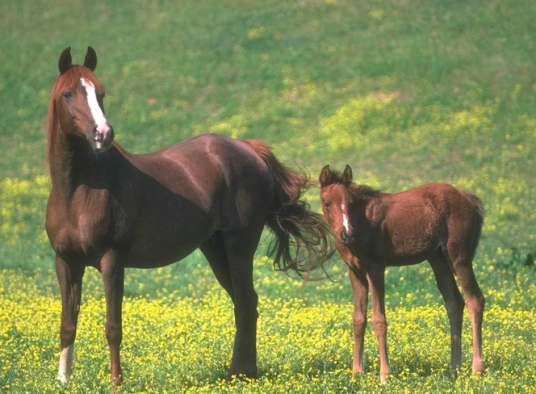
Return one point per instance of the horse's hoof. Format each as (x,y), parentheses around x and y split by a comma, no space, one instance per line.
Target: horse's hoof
(357,372)
(478,368)
(117,381)
(243,375)
(384,377)
(62,379)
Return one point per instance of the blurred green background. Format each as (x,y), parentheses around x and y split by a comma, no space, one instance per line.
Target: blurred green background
(405,92)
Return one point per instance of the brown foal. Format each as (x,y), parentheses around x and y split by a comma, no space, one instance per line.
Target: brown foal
(110,209)
(435,222)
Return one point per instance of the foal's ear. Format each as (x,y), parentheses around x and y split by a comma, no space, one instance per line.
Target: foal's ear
(91,59)
(65,61)
(325,176)
(346,178)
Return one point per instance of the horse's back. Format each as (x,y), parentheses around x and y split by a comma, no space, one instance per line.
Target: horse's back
(202,185)
(205,164)
(420,220)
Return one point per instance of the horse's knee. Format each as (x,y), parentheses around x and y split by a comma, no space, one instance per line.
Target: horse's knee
(455,306)
(114,332)
(477,304)
(245,306)
(360,323)
(67,334)
(379,325)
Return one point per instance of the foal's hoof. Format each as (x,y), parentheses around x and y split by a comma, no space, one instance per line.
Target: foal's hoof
(478,368)
(384,377)
(116,382)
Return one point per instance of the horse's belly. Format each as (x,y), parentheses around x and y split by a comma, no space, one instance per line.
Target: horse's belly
(156,259)
(166,243)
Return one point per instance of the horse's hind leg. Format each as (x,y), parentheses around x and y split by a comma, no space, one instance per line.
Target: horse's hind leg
(240,246)
(70,281)
(216,255)
(453,303)
(463,267)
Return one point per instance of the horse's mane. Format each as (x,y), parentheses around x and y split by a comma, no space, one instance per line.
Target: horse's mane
(358,191)
(363,191)
(68,81)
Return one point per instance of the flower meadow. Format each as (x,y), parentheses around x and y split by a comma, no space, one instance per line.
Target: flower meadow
(182,344)
(178,325)
(405,92)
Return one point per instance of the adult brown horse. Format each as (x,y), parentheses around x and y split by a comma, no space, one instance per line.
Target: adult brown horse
(110,209)
(435,222)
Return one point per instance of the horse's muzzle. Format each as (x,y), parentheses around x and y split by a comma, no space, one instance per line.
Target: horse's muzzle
(102,140)
(347,238)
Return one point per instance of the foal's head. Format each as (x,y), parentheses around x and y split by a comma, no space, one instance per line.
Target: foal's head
(76,104)
(336,199)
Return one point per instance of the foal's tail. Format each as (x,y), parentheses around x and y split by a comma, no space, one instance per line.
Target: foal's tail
(291,219)
(479,217)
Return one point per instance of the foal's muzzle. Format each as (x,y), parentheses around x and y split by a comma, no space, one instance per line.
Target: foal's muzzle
(347,238)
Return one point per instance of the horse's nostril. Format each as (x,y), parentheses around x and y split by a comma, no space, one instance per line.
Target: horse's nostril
(98,136)
(344,235)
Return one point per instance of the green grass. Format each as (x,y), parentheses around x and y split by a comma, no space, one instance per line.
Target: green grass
(404,92)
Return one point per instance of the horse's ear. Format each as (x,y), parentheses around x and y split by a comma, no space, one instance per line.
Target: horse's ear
(91,59)
(65,61)
(347,176)
(325,176)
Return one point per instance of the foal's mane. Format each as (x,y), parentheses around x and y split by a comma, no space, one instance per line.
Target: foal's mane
(362,192)
(68,81)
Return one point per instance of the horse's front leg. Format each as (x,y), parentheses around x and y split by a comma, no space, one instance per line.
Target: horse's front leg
(360,292)
(376,278)
(113,275)
(70,281)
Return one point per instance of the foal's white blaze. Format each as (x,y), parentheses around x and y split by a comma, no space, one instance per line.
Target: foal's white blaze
(66,363)
(344,219)
(96,111)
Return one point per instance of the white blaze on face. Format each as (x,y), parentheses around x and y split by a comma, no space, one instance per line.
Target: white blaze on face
(96,111)
(66,363)
(344,219)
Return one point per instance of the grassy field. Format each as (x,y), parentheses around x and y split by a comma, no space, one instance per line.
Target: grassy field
(405,92)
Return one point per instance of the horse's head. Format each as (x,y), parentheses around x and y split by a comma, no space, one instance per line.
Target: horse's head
(336,199)
(76,104)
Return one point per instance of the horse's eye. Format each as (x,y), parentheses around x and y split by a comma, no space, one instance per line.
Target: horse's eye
(327,203)
(67,95)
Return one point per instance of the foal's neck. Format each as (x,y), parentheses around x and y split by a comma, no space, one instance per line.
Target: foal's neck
(73,163)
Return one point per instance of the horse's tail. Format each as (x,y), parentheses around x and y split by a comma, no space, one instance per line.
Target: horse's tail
(478,205)
(291,219)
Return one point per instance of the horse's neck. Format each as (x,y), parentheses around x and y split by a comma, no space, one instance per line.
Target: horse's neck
(364,210)
(72,163)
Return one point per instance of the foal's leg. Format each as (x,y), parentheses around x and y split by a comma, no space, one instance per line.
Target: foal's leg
(113,275)
(460,249)
(360,292)
(376,278)
(453,303)
(475,304)
(214,251)
(70,281)
(240,246)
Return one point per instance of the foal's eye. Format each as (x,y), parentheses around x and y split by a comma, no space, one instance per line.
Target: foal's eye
(67,95)
(327,203)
